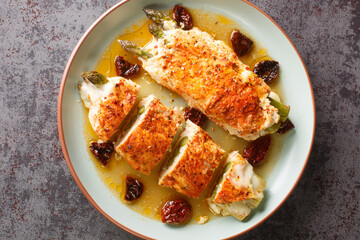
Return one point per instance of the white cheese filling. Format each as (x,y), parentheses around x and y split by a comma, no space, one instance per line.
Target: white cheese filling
(242,176)
(91,94)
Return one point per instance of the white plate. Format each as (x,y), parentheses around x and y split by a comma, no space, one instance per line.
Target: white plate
(297,88)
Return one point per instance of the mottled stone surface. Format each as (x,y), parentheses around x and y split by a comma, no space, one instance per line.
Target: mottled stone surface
(40,199)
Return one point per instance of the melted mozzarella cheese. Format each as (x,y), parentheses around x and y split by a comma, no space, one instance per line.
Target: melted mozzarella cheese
(168,25)
(241,176)
(91,94)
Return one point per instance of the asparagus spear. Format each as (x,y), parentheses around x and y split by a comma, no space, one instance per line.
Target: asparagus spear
(158,17)
(282,108)
(273,128)
(156,30)
(94,77)
(134,49)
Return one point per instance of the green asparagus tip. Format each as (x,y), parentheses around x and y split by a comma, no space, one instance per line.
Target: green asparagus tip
(157,17)
(156,30)
(94,77)
(134,49)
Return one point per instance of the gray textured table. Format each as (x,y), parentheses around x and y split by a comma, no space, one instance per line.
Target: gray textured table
(40,199)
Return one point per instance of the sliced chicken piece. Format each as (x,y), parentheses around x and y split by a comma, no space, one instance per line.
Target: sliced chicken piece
(148,134)
(109,100)
(193,162)
(238,190)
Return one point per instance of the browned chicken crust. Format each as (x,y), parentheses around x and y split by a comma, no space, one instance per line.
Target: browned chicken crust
(147,144)
(211,78)
(228,193)
(228,93)
(113,109)
(194,170)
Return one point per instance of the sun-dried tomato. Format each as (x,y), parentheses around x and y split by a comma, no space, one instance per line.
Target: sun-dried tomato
(268,70)
(102,151)
(240,43)
(255,154)
(285,127)
(195,116)
(176,212)
(124,68)
(182,17)
(134,189)
(132,71)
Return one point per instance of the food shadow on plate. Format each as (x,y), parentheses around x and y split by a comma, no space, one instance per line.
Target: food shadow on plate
(174,226)
(260,208)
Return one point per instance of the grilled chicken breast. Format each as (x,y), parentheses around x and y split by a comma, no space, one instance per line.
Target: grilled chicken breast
(210,77)
(108,103)
(194,160)
(148,135)
(239,189)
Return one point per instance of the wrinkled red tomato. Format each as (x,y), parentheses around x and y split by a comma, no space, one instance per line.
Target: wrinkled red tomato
(195,116)
(134,189)
(102,151)
(182,17)
(124,68)
(176,212)
(240,43)
(285,127)
(268,70)
(255,154)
